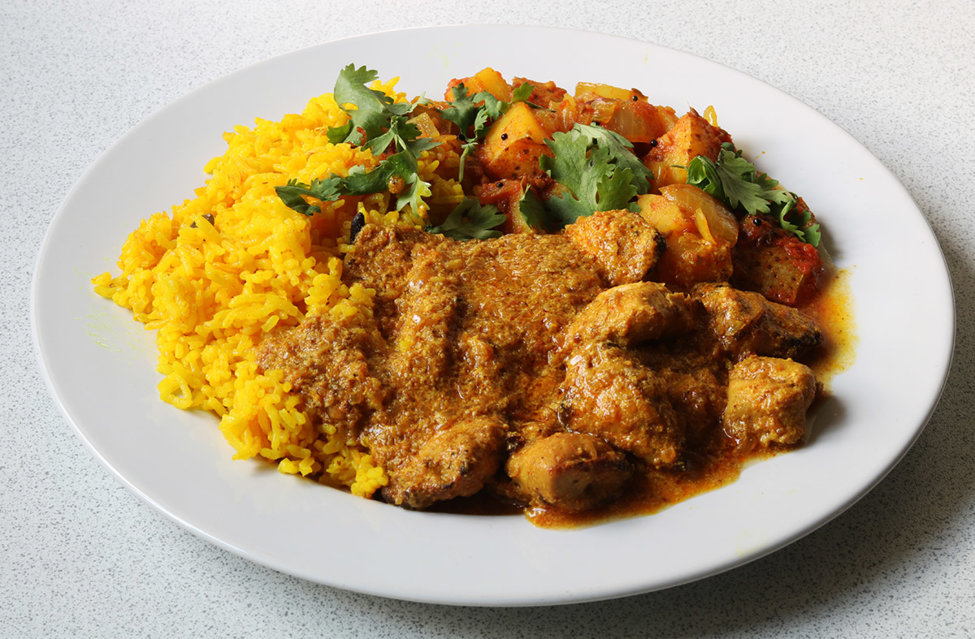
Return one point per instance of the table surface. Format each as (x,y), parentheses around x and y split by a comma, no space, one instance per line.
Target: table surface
(82,556)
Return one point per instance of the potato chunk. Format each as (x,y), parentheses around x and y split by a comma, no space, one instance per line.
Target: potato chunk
(776,263)
(700,234)
(513,144)
(486,79)
(625,111)
(690,137)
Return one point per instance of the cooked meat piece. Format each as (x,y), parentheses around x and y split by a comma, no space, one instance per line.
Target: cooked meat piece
(699,397)
(623,244)
(610,394)
(326,362)
(767,401)
(427,321)
(380,259)
(571,471)
(746,323)
(530,430)
(453,463)
(522,290)
(632,313)
(477,350)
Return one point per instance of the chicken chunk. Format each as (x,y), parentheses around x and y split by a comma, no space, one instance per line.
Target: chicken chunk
(767,401)
(455,462)
(623,244)
(746,323)
(428,310)
(380,260)
(326,362)
(632,313)
(571,471)
(608,393)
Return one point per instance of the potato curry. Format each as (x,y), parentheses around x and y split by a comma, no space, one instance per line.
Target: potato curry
(615,306)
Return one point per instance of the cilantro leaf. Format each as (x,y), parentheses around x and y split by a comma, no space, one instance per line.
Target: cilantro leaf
(463,110)
(471,220)
(371,114)
(736,182)
(359,182)
(362,182)
(293,195)
(733,179)
(522,92)
(594,168)
(812,234)
(474,113)
(620,151)
(477,111)
(802,228)
(532,210)
(403,135)
(379,124)
(402,165)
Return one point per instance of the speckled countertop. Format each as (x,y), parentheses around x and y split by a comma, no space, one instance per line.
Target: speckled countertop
(82,556)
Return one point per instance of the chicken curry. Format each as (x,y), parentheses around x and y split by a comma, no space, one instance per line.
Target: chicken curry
(571,364)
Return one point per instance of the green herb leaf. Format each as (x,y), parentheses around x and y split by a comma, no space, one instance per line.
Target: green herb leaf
(403,135)
(362,182)
(462,110)
(597,169)
(532,210)
(522,92)
(378,124)
(736,182)
(473,115)
(812,234)
(371,114)
(620,151)
(471,220)
(359,182)
(293,195)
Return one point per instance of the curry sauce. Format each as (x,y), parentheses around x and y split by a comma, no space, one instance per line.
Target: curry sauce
(522,371)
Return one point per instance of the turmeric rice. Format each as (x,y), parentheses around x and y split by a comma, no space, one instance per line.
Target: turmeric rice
(218,272)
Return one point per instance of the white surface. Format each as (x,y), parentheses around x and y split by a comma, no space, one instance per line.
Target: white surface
(178,462)
(81,555)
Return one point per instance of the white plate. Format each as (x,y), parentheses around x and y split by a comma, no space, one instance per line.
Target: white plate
(100,364)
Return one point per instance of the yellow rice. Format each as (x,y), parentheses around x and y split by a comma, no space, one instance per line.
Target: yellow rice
(220,271)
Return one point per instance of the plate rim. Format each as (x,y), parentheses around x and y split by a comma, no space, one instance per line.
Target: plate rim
(92,168)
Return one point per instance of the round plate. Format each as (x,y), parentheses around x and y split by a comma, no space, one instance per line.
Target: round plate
(100,364)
